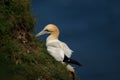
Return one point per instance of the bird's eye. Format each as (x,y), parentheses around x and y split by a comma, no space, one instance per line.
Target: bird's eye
(47,30)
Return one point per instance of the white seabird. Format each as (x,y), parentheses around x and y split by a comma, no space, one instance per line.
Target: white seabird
(56,48)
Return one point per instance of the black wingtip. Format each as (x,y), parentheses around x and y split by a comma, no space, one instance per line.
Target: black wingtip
(75,62)
(72,61)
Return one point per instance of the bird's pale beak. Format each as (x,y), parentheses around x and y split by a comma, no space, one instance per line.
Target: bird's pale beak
(40,33)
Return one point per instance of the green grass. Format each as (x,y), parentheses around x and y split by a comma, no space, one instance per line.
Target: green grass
(23,57)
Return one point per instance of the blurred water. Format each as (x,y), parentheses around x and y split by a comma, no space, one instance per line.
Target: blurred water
(91,28)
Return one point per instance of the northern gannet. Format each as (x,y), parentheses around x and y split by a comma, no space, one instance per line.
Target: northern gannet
(56,48)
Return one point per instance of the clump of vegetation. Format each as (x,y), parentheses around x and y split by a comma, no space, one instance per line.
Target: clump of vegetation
(22,56)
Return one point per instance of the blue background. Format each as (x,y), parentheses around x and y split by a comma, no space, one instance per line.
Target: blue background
(91,28)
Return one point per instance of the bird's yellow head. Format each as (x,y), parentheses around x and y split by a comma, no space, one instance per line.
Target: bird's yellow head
(50,29)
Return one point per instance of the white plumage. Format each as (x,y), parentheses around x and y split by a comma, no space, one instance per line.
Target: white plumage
(58,49)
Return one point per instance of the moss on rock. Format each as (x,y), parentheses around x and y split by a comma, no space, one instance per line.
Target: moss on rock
(22,56)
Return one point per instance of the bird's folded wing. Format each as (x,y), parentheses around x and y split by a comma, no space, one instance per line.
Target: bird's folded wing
(61,46)
(67,50)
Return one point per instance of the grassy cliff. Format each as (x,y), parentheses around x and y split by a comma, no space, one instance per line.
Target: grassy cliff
(22,56)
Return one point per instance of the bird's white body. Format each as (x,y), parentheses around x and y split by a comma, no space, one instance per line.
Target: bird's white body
(58,49)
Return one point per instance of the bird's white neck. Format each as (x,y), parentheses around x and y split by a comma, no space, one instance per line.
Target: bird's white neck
(51,37)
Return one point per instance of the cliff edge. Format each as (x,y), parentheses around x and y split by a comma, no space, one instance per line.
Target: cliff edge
(22,56)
